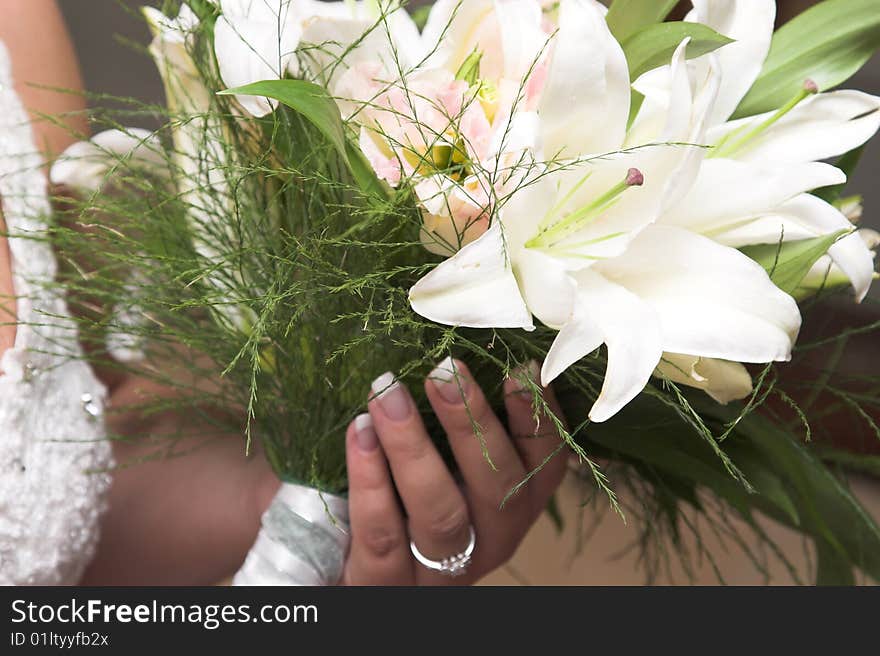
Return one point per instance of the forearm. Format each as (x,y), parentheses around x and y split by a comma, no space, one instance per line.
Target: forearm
(35,36)
(188,509)
(45,69)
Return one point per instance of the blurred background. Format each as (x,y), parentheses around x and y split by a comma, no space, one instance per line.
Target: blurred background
(110,36)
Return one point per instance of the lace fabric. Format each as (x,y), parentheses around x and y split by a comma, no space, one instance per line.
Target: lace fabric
(54,458)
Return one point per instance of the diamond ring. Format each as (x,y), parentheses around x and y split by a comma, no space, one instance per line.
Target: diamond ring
(451,566)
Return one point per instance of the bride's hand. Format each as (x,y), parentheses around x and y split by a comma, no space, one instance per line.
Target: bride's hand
(391,461)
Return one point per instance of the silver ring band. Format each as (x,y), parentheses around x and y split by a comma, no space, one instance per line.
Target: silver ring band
(453,565)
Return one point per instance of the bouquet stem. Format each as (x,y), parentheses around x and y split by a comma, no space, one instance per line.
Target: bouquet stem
(303,540)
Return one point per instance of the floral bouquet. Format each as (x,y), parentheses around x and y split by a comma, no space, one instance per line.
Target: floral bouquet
(638,204)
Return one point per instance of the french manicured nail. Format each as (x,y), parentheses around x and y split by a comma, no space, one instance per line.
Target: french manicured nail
(392,397)
(520,378)
(452,386)
(367,440)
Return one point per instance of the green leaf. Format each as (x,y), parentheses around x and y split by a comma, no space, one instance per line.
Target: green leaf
(316,106)
(832,568)
(469,71)
(653,46)
(626,17)
(791,485)
(788,262)
(420,16)
(827,43)
(555,514)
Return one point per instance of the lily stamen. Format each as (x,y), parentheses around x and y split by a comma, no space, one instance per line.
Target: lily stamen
(735,141)
(585,215)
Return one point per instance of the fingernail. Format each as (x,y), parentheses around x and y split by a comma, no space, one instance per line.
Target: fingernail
(521,376)
(452,386)
(392,397)
(367,439)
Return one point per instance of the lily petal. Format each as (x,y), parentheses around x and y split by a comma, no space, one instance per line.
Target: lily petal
(334,41)
(255,45)
(522,38)
(608,313)
(728,193)
(805,217)
(722,380)
(712,301)
(588,77)
(825,274)
(750,24)
(822,126)
(547,287)
(85,165)
(475,288)
(452,31)
(678,100)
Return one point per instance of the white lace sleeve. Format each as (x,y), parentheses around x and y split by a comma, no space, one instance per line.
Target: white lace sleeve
(53,455)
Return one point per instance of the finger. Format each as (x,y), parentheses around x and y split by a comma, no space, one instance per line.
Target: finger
(379,547)
(489,463)
(537,439)
(439,521)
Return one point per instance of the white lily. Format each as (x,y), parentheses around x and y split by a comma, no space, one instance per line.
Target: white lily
(668,290)
(576,248)
(199,151)
(724,381)
(421,120)
(752,189)
(201,156)
(256,40)
(88,165)
(85,165)
(338,36)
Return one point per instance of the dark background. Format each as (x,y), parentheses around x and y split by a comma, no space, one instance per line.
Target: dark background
(110,34)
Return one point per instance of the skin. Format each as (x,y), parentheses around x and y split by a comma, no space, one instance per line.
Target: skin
(46,62)
(189,519)
(395,458)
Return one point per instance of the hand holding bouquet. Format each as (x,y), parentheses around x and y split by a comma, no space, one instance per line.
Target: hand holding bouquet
(637,204)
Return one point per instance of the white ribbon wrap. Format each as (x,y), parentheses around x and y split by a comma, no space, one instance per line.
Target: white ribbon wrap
(303,540)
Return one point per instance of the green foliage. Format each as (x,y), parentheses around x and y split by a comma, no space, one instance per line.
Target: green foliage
(626,17)
(653,46)
(782,479)
(788,262)
(420,16)
(316,105)
(469,71)
(828,43)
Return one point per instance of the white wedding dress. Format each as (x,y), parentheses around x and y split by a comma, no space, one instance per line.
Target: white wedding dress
(54,457)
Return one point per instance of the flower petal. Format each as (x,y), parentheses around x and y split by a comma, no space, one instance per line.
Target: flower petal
(452,31)
(606,233)
(475,288)
(805,217)
(547,287)
(678,100)
(822,126)
(712,301)
(256,46)
(85,165)
(750,24)
(728,193)
(724,381)
(522,38)
(585,104)
(608,313)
